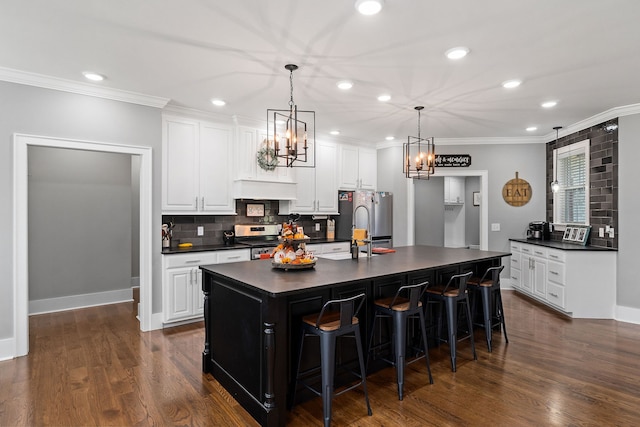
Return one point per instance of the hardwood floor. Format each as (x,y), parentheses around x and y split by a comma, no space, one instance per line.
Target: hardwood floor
(93,367)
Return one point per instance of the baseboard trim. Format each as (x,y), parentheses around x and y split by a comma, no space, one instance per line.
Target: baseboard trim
(628,314)
(72,302)
(7,349)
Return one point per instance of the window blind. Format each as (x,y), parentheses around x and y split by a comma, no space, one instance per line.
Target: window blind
(571,204)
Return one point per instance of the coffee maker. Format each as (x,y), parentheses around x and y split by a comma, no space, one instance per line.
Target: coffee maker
(539,230)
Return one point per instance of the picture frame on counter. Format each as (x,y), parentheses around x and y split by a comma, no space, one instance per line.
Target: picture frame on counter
(255,209)
(577,234)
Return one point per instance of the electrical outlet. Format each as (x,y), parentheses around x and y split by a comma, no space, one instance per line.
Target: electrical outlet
(601,232)
(200,230)
(317,226)
(612,233)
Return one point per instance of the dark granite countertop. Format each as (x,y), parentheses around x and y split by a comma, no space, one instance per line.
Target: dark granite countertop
(259,274)
(554,244)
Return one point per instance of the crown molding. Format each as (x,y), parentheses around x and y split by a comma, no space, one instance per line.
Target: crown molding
(612,113)
(55,83)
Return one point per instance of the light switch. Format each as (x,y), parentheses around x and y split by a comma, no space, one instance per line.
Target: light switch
(495,226)
(317,226)
(601,232)
(200,230)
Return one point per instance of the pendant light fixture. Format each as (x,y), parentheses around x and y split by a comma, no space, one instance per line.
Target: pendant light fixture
(290,133)
(419,154)
(555,185)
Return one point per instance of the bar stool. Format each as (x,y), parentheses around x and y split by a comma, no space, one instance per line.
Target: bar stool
(404,305)
(337,318)
(489,288)
(452,294)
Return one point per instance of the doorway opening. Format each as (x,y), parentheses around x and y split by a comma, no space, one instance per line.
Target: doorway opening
(20,229)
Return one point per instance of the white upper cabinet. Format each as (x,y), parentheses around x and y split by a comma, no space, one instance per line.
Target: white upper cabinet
(317,188)
(358,168)
(454,187)
(250,141)
(196,166)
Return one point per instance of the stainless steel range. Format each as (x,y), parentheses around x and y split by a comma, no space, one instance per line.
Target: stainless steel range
(262,238)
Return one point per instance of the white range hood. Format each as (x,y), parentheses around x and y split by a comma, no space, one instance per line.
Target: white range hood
(267,190)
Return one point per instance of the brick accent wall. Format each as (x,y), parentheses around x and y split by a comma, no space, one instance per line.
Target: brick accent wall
(603,181)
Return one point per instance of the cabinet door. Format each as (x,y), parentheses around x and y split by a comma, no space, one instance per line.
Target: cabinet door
(539,277)
(526,277)
(367,168)
(179,166)
(326,179)
(178,297)
(215,157)
(245,153)
(305,191)
(197,294)
(349,165)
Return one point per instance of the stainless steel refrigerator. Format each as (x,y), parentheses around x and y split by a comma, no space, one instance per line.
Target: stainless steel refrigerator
(380,207)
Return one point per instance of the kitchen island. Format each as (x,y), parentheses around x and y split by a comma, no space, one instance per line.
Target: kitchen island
(252,314)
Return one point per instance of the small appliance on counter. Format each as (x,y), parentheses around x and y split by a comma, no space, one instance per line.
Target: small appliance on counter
(228,237)
(539,230)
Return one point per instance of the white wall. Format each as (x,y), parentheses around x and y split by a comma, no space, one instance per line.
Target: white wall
(628,288)
(45,112)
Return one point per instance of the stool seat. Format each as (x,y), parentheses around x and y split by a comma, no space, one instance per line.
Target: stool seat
(489,288)
(329,322)
(443,291)
(478,281)
(395,304)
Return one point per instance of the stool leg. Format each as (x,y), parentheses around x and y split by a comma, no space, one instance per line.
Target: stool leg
(327,365)
(423,327)
(470,328)
(400,343)
(363,373)
(452,318)
(487,312)
(504,326)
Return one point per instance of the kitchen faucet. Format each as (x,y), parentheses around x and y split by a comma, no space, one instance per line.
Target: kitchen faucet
(368,240)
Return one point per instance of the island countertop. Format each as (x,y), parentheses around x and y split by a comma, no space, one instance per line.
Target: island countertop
(260,275)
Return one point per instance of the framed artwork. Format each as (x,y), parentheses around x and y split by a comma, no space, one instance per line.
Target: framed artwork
(476,198)
(576,234)
(255,209)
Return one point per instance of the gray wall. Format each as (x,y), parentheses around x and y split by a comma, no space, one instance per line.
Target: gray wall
(429,211)
(79,222)
(628,290)
(502,162)
(45,112)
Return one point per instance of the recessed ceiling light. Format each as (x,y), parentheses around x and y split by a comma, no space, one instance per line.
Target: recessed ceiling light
(345,85)
(510,84)
(389,138)
(384,98)
(94,77)
(218,102)
(457,52)
(531,128)
(549,104)
(335,132)
(369,7)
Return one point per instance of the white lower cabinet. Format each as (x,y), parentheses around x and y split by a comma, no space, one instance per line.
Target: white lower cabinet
(182,297)
(328,248)
(578,282)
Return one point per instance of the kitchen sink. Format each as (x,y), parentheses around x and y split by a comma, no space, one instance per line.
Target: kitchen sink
(341,255)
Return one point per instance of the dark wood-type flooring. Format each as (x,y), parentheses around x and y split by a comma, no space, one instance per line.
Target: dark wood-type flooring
(93,367)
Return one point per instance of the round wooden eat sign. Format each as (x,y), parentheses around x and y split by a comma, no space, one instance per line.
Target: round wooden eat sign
(516,192)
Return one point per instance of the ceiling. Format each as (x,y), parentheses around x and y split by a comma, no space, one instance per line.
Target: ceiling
(581,53)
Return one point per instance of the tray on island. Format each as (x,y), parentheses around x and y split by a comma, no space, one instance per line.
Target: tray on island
(289,266)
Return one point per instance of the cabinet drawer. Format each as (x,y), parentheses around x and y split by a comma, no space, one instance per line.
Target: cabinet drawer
(190,260)
(526,249)
(555,272)
(555,294)
(515,247)
(328,248)
(515,277)
(234,255)
(540,252)
(554,255)
(516,261)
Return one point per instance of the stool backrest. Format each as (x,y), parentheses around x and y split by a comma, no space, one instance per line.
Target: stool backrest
(346,307)
(413,294)
(493,274)
(458,281)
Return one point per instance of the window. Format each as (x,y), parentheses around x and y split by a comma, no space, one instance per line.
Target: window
(571,169)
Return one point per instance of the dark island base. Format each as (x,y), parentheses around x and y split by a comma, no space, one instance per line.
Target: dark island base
(253,334)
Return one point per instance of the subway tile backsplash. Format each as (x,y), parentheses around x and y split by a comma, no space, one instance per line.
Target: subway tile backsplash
(186,226)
